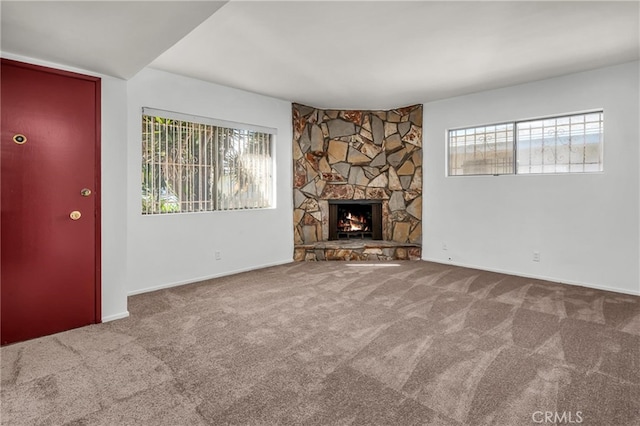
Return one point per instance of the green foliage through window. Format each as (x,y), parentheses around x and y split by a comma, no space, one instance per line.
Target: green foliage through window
(194,167)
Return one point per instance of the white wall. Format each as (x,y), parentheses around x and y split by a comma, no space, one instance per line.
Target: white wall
(167,250)
(114,182)
(585,226)
(114,199)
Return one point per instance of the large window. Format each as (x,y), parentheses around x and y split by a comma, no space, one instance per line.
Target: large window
(564,144)
(195,164)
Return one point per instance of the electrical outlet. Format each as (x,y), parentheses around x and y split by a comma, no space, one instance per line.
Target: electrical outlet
(536,256)
(218,255)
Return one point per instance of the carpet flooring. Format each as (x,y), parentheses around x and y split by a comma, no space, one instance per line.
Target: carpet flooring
(335,343)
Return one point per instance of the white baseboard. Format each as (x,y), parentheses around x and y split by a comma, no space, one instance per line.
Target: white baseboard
(208,277)
(114,317)
(539,277)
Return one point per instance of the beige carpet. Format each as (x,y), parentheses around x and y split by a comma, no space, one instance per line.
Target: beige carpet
(332,343)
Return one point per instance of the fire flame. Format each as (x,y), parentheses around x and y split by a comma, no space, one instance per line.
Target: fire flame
(353,223)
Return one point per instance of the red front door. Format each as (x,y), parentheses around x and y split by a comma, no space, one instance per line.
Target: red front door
(50,201)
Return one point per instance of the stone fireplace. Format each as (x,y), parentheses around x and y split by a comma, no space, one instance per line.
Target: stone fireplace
(365,164)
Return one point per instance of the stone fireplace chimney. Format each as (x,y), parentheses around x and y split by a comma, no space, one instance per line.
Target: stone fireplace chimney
(358,156)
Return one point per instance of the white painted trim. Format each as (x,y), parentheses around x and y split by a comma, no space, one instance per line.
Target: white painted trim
(209,277)
(117,316)
(538,277)
(180,116)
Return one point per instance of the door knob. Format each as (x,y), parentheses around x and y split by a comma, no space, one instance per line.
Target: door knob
(85,192)
(75,215)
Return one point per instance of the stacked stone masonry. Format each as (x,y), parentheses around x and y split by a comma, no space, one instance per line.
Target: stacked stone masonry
(353,250)
(357,155)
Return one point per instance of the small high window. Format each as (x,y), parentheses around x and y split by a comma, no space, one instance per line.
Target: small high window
(195,164)
(563,144)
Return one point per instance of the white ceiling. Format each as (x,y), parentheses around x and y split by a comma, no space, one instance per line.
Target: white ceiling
(116,38)
(358,54)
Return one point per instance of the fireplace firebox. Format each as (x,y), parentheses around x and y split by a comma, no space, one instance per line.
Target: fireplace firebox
(355,219)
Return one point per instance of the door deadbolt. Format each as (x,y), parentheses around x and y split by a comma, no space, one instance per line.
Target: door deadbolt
(85,192)
(75,215)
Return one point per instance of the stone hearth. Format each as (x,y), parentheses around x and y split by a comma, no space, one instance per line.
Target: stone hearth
(357,155)
(357,250)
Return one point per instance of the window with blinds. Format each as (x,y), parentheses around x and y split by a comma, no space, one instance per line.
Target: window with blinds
(195,164)
(561,144)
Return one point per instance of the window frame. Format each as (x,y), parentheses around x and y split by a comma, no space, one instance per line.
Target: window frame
(503,123)
(515,123)
(216,205)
